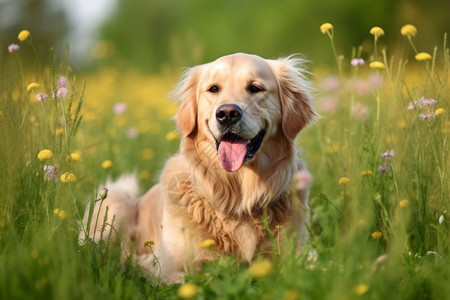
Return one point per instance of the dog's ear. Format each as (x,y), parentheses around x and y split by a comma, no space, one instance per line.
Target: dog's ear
(186,93)
(295,95)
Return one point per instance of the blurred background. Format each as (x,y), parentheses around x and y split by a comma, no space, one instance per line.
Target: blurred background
(153,35)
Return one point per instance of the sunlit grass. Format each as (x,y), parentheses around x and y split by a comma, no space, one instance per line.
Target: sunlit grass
(379,203)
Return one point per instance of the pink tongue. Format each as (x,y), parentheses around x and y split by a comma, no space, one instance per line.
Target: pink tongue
(232,154)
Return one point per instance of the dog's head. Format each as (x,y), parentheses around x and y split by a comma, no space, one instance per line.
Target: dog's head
(239,102)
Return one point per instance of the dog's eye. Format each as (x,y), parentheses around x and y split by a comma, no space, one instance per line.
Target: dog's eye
(213,89)
(253,89)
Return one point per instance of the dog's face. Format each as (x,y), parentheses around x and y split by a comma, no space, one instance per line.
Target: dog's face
(240,102)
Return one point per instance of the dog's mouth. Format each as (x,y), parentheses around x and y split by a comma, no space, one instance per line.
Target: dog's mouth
(233,150)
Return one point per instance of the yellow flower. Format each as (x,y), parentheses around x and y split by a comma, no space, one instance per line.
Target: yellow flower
(344,180)
(423,56)
(377,31)
(440,111)
(361,289)
(404,203)
(366,173)
(1,113)
(59,131)
(260,268)
(68,177)
(23,35)
(376,235)
(74,157)
(377,65)
(172,135)
(208,243)
(326,27)
(32,85)
(187,290)
(107,164)
(408,30)
(144,174)
(45,154)
(62,214)
(147,154)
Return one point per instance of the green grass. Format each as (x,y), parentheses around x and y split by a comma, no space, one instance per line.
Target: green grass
(371,243)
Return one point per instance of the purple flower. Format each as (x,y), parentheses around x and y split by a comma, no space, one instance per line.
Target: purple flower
(427,102)
(13,47)
(120,108)
(383,169)
(427,116)
(61,93)
(62,82)
(51,173)
(411,106)
(388,154)
(357,62)
(132,133)
(41,96)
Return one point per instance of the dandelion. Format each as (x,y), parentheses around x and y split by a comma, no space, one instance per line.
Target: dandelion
(376,32)
(344,180)
(75,157)
(68,177)
(147,153)
(187,290)
(208,243)
(260,268)
(357,62)
(144,174)
(41,96)
(13,47)
(388,154)
(172,135)
(61,93)
(408,30)
(23,35)
(366,173)
(404,203)
(106,164)
(45,154)
(62,214)
(377,65)
(51,172)
(32,85)
(440,111)
(422,56)
(326,28)
(120,108)
(377,235)
(361,289)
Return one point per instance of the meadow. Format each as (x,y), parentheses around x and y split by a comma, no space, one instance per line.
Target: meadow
(379,156)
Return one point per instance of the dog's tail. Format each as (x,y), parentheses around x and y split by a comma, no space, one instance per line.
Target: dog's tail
(115,212)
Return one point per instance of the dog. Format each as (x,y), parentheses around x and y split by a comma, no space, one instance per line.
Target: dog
(232,180)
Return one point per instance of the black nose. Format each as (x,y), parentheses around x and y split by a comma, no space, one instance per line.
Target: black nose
(228,114)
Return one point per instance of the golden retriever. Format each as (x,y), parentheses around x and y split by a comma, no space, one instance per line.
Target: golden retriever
(232,180)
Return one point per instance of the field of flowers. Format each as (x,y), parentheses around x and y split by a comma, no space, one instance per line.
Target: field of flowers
(379,154)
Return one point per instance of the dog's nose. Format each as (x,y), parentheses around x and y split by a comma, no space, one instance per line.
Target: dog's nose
(228,114)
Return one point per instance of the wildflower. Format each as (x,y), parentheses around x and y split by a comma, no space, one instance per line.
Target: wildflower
(388,154)
(149,243)
(377,31)
(326,27)
(427,116)
(120,108)
(34,254)
(290,295)
(441,219)
(408,30)
(344,180)
(41,96)
(404,203)
(61,93)
(361,289)
(132,133)
(376,235)
(147,154)
(13,47)
(411,106)
(187,290)
(62,214)
(68,177)
(377,65)
(304,179)
(357,62)
(208,243)
(366,173)
(107,164)
(383,169)
(32,85)
(23,35)
(172,135)
(102,193)
(440,111)
(51,172)
(144,174)
(62,82)
(74,157)
(427,102)
(45,154)
(422,56)
(260,268)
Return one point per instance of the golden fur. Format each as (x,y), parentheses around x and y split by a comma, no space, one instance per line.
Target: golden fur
(197,198)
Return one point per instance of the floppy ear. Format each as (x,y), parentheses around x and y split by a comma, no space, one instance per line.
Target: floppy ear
(186,93)
(295,95)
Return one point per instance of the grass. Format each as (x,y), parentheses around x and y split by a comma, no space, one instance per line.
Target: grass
(380,225)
